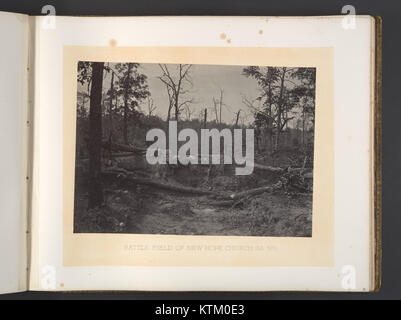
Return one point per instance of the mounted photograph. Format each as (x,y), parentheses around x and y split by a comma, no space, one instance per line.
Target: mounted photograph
(145,159)
(191,149)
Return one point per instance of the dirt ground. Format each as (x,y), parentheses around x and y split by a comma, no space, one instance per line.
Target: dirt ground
(267,215)
(146,210)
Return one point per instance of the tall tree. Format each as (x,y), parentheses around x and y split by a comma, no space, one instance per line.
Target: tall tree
(280,106)
(265,117)
(304,95)
(95,137)
(112,97)
(133,88)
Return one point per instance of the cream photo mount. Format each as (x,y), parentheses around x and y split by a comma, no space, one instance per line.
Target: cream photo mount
(184,250)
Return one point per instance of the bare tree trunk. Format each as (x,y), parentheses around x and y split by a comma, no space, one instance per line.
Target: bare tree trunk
(111,114)
(280,108)
(258,138)
(236,121)
(170,104)
(95,137)
(125,129)
(221,103)
(269,120)
(205,119)
(176,109)
(132,180)
(176,87)
(177,93)
(89,92)
(303,128)
(215,110)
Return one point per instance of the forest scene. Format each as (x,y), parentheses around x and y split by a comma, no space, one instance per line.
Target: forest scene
(118,191)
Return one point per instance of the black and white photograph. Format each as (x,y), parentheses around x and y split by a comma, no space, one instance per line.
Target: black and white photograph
(199,151)
(186,149)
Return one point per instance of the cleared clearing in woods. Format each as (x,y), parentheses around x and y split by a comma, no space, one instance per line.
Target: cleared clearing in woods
(117,191)
(191,200)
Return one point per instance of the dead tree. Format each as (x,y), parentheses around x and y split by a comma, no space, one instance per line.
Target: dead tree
(126,100)
(188,112)
(128,179)
(170,103)
(151,106)
(218,106)
(237,118)
(178,86)
(221,102)
(215,110)
(111,98)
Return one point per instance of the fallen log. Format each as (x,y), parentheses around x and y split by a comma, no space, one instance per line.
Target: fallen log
(236,199)
(280,170)
(254,192)
(129,180)
(142,151)
(268,168)
(170,187)
(122,147)
(123,154)
(225,199)
(222,203)
(228,203)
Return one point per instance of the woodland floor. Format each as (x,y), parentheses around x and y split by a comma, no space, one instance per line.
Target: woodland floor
(147,210)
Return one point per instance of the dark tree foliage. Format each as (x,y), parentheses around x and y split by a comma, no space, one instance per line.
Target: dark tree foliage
(132,88)
(84,72)
(306,90)
(282,90)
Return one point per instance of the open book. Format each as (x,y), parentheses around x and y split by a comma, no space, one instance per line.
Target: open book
(190,153)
